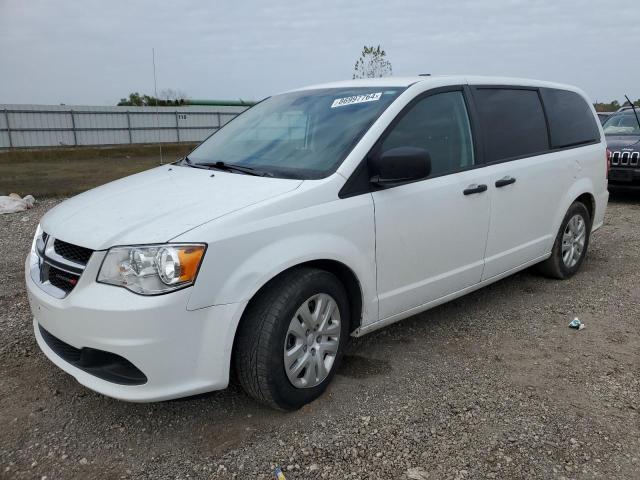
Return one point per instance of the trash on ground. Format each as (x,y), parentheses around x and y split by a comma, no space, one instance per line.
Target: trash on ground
(417,473)
(278,475)
(13,203)
(577,324)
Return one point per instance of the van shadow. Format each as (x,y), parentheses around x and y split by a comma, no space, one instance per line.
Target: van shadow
(375,353)
(359,366)
(626,198)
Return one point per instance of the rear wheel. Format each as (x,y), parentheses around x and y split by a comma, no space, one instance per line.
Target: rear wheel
(570,246)
(291,338)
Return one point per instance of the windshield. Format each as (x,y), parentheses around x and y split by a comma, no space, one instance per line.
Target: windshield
(623,123)
(303,135)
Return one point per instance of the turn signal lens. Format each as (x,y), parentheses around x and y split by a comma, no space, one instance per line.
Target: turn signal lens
(190,262)
(179,264)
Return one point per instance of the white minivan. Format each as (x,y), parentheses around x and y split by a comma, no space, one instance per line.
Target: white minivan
(316,215)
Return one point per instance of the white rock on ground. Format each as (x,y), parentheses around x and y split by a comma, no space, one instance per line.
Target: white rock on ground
(14,204)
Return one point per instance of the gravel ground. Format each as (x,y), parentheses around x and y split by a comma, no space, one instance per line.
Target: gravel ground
(493,385)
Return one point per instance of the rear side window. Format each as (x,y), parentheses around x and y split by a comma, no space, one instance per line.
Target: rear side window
(513,123)
(571,121)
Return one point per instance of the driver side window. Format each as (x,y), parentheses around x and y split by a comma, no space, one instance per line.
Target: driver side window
(439,124)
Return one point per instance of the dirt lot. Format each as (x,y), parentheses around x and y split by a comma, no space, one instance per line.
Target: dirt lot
(493,385)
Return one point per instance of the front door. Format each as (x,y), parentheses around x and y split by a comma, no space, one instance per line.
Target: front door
(431,234)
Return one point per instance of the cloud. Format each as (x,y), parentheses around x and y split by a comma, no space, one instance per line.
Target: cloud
(94,52)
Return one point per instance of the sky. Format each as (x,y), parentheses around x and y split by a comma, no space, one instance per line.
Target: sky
(94,52)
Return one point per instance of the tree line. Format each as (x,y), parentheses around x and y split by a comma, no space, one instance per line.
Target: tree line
(167,98)
(613,106)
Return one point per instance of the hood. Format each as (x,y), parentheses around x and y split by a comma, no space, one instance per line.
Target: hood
(623,141)
(157,205)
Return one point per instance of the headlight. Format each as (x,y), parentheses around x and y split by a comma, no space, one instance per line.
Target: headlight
(37,237)
(152,269)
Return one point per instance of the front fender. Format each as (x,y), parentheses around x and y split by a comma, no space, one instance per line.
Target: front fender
(247,254)
(254,272)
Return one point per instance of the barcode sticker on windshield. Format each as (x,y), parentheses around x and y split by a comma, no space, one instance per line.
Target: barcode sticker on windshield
(370,97)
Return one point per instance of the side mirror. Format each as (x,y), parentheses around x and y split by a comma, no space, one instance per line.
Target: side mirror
(399,165)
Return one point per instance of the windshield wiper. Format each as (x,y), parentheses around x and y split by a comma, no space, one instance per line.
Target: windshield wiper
(230,167)
(633,107)
(187,160)
(227,167)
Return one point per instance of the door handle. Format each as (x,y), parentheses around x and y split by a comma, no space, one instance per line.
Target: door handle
(471,189)
(503,182)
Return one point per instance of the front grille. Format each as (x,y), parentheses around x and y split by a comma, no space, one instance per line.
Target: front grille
(63,280)
(625,159)
(105,365)
(59,265)
(72,252)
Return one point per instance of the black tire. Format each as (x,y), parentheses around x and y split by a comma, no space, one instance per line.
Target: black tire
(554,266)
(258,353)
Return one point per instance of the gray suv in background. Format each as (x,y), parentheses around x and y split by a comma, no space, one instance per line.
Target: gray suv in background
(622,132)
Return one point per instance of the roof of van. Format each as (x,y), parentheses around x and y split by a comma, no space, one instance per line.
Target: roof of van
(439,79)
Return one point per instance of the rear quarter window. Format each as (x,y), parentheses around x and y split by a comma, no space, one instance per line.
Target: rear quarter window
(512,122)
(571,121)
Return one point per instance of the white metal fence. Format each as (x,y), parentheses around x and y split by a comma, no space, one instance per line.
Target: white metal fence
(29,126)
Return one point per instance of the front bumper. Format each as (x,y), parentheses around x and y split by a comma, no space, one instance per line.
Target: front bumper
(180,352)
(624,179)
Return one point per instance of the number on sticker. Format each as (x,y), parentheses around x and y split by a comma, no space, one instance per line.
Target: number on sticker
(370,97)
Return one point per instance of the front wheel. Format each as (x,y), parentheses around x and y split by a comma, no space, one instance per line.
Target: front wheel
(291,338)
(570,246)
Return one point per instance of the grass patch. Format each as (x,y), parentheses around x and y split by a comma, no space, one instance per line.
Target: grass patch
(67,171)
